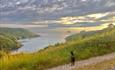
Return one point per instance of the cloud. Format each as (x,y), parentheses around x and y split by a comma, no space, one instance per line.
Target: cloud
(21,25)
(52,8)
(110,3)
(83,0)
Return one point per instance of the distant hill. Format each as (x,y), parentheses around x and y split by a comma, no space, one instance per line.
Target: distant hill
(9,38)
(19,33)
(85,34)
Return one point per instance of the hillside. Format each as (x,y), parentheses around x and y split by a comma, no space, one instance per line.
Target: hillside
(9,38)
(85,34)
(7,44)
(104,62)
(19,33)
(59,54)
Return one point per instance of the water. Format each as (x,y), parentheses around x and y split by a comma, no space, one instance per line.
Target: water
(49,36)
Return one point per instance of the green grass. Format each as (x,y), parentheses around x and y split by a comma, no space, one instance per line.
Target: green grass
(54,55)
(19,33)
(8,43)
(9,38)
(105,65)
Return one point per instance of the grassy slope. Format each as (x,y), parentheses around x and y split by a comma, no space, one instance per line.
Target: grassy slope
(98,44)
(8,43)
(84,34)
(9,36)
(106,65)
(19,33)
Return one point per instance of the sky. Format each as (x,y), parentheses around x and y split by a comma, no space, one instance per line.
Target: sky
(32,10)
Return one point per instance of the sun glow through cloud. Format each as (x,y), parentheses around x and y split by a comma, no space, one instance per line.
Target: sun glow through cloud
(98,15)
(86,18)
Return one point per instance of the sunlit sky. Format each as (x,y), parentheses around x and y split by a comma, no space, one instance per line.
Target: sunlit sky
(87,18)
(29,10)
(96,17)
(34,9)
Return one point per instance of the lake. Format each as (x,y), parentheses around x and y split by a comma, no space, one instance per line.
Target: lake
(47,37)
(50,36)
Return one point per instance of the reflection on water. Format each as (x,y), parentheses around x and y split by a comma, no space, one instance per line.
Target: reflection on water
(51,36)
(44,40)
(47,37)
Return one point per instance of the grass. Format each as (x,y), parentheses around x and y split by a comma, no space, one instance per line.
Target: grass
(105,65)
(19,33)
(54,55)
(8,43)
(9,38)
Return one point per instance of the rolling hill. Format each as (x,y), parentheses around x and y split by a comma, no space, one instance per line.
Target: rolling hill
(94,45)
(19,33)
(9,38)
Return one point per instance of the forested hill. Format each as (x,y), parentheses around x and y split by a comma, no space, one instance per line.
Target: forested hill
(9,38)
(8,43)
(85,34)
(19,33)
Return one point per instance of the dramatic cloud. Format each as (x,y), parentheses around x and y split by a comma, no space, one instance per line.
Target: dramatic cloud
(50,9)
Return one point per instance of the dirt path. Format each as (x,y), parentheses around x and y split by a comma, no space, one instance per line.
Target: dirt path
(82,63)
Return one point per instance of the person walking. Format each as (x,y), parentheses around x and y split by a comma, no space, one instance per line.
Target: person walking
(72,58)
